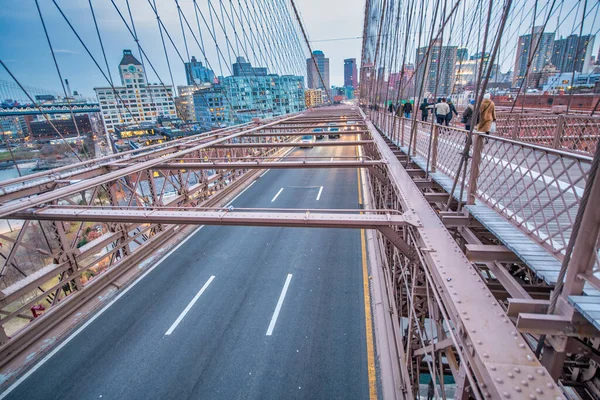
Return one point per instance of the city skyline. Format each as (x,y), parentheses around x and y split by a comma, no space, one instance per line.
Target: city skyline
(78,67)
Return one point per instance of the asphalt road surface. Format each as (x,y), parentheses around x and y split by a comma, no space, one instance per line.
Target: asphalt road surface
(234,312)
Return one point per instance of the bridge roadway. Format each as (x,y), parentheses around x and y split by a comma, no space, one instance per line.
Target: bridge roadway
(220,349)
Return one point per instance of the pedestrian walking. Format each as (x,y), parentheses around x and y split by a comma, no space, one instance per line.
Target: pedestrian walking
(441,109)
(452,111)
(391,107)
(407,109)
(424,107)
(487,115)
(467,115)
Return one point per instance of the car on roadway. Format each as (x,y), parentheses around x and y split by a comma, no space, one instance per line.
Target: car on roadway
(351,125)
(319,133)
(334,133)
(307,141)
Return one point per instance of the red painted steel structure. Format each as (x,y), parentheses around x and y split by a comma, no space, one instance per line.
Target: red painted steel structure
(448,313)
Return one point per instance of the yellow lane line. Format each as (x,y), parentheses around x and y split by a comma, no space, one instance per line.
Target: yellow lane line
(368,317)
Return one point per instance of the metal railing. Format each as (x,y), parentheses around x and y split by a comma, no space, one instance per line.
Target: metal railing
(577,133)
(537,188)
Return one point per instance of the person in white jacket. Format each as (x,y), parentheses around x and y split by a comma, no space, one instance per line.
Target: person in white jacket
(441,108)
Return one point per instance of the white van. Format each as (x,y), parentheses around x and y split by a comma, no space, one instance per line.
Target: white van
(307,141)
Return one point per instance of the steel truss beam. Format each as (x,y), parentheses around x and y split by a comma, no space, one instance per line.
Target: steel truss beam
(120,173)
(275,134)
(294,144)
(313,126)
(369,219)
(494,357)
(263,165)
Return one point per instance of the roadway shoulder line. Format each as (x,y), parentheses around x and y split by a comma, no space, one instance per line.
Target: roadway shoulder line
(279,304)
(320,191)
(189,306)
(277,195)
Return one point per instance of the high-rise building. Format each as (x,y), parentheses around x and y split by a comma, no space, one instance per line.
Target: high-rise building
(185,101)
(243,68)
(196,73)
(350,73)
(462,54)
(349,92)
(541,57)
(313,78)
(468,71)
(313,97)
(572,53)
(135,101)
(10,129)
(445,58)
(212,109)
(251,92)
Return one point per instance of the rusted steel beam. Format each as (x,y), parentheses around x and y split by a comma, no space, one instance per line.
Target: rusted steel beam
(265,165)
(294,144)
(302,219)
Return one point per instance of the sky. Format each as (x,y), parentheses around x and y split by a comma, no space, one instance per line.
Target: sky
(25,50)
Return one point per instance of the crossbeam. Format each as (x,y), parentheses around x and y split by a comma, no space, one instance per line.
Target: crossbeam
(298,219)
(294,144)
(312,126)
(263,165)
(340,132)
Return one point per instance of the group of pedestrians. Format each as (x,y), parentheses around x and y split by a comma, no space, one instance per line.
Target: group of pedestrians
(402,109)
(444,110)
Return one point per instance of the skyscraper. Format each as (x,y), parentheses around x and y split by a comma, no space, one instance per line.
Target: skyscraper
(445,56)
(313,78)
(572,53)
(541,57)
(462,54)
(196,73)
(350,73)
(135,101)
(250,93)
(243,68)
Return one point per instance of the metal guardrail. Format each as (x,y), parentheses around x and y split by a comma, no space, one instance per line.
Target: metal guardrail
(537,188)
(576,133)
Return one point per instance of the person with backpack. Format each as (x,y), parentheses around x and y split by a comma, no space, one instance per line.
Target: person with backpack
(424,107)
(407,109)
(467,115)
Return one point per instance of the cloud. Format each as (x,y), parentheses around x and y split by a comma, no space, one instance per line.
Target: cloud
(64,51)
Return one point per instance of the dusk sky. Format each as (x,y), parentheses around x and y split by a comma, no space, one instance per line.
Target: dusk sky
(26,51)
